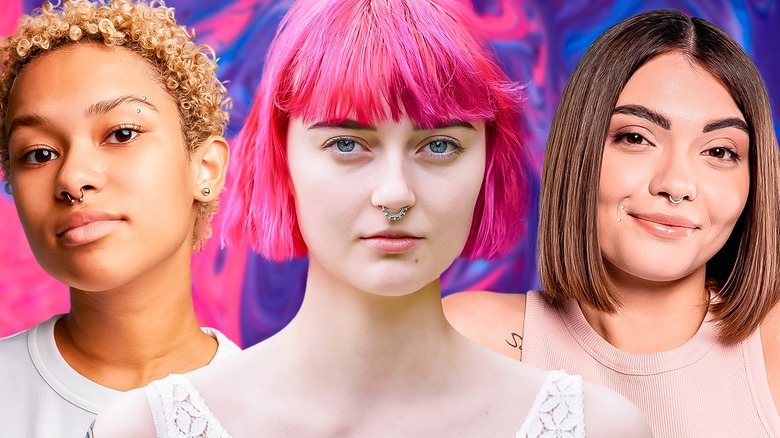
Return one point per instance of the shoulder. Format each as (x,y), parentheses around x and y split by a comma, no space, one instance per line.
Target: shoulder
(492,319)
(14,343)
(128,416)
(225,346)
(608,413)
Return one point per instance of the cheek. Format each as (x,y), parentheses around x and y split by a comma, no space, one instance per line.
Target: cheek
(727,199)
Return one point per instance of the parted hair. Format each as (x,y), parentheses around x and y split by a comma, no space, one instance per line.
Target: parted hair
(744,276)
(186,70)
(375,61)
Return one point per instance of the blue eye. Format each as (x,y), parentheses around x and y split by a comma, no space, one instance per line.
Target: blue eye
(40,156)
(441,149)
(345,145)
(439,146)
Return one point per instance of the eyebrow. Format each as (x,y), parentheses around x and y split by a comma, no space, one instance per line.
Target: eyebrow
(102,107)
(658,119)
(27,120)
(105,106)
(731,122)
(355,125)
(645,113)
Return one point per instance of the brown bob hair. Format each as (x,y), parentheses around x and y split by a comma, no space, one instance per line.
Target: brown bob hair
(744,276)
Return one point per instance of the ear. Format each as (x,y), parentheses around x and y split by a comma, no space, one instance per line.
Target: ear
(210,163)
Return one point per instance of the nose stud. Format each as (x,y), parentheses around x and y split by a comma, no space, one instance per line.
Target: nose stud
(71,199)
(394,217)
(676,201)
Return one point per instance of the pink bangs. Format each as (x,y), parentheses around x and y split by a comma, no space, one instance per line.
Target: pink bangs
(373,61)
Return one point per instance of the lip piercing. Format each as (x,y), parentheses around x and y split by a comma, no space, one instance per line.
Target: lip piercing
(393,217)
(71,199)
(676,201)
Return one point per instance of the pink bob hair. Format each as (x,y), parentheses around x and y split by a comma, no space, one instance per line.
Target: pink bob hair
(372,61)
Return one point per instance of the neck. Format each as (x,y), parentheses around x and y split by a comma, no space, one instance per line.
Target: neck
(126,337)
(367,343)
(671,311)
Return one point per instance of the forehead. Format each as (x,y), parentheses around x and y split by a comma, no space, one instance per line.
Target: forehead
(78,75)
(673,85)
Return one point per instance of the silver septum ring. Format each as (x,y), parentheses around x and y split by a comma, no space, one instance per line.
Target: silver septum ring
(676,201)
(393,217)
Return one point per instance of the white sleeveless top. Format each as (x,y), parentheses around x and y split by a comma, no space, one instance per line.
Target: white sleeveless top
(180,412)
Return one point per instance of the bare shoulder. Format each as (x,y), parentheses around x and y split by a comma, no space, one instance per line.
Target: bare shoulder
(770,344)
(609,414)
(492,319)
(129,416)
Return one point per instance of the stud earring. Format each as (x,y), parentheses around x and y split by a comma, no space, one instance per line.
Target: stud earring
(8,188)
(206,191)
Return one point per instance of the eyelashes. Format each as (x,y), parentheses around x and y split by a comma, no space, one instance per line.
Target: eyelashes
(634,140)
(439,148)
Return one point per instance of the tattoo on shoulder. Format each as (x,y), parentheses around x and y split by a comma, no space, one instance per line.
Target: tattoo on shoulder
(516,342)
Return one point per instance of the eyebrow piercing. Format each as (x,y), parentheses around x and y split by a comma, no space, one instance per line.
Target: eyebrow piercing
(71,199)
(138,110)
(143,98)
(394,217)
(676,201)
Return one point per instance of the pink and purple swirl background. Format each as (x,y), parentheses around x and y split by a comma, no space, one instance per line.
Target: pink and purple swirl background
(538,42)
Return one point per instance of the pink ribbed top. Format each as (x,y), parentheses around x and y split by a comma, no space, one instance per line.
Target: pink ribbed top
(703,388)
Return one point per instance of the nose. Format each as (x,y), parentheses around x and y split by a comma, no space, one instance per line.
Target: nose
(78,174)
(675,177)
(393,188)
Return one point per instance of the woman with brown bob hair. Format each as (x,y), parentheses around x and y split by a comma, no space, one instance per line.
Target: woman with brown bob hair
(657,240)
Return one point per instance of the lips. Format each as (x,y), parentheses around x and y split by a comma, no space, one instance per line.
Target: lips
(86,226)
(667,220)
(392,241)
(667,226)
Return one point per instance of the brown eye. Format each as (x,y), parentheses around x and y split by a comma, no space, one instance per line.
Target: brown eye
(40,156)
(722,153)
(123,135)
(634,138)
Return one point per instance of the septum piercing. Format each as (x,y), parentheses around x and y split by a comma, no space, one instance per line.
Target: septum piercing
(71,199)
(394,217)
(676,201)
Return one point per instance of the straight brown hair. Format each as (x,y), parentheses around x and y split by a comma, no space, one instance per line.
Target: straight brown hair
(744,275)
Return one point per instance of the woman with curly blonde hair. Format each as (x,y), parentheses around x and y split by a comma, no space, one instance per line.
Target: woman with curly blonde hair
(115,173)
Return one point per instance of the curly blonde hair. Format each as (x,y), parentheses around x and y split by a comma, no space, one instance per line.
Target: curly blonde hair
(187,71)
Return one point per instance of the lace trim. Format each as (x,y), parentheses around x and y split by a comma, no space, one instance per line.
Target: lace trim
(558,410)
(186,414)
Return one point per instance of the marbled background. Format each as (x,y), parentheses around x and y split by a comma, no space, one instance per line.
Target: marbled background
(538,42)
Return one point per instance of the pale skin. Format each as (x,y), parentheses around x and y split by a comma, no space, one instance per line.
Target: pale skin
(370,352)
(111,129)
(701,157)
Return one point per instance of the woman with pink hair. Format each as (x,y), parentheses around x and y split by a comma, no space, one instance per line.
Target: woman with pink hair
(383,144)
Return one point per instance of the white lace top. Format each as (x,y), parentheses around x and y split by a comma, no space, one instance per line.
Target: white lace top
(180,412)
